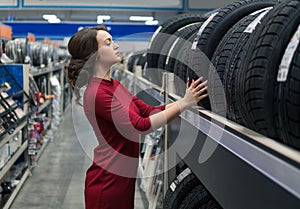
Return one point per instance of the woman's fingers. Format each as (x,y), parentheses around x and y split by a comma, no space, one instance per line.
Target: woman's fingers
(202,96)
(196,91)
(202,90)
(200,86)
(198,80)
(199,91)
(187,82)
(195,83)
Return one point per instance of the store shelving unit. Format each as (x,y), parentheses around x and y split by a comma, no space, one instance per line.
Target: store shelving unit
(17,189)
(238,166)
(21,74)
(42,77)
(14,154)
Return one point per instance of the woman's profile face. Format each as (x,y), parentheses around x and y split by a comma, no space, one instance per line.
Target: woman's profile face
(107,49)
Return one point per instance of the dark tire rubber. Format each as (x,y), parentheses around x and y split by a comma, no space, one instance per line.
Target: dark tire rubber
(159,38)
(199,198)
(174,43)
(257,82)
(185,182)
(227,59)
(208,38)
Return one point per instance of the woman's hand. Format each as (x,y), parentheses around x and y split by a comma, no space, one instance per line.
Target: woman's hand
(194,93)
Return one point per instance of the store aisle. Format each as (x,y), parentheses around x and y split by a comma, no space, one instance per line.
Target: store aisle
(57,182)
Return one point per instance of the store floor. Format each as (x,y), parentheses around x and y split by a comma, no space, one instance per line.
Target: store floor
(57,182)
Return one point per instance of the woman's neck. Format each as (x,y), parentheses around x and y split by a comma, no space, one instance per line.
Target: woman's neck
(103,74)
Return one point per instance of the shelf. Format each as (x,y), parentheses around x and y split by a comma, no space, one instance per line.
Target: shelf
(17,189)
(13,159)
(238,166)
(4,139)
(142,82)
(44,105)
(254,169)
(41,150)
(42,71)
(47,124)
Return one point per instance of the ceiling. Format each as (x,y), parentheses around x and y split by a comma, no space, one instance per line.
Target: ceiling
(88,10)
(82,15)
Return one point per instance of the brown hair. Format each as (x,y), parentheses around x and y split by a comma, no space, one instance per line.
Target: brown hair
(82,46)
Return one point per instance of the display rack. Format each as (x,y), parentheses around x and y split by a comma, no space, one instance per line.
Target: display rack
(17,189)
(14,143)
(25,76)
(42,77)
(254,169)
(238,166)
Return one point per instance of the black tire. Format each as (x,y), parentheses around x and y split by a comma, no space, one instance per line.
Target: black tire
(137,58)
(178,189)
(289,104)
(130,62)
(142,60)
(179,38)
(225,19)
(208,38)
(199,198)
(288,98)
(257,84)
(226,59)
(180,66)
(159,38)
(21,45)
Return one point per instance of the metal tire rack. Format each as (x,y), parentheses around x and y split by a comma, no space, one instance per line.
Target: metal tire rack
(239,167)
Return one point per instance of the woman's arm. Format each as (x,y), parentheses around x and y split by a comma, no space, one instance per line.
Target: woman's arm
(193,95)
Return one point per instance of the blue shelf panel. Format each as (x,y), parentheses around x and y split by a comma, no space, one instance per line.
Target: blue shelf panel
(62,30)
(14,78)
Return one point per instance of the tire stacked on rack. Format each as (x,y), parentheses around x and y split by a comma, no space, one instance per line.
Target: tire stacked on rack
(269,95)
(250,53)
(176,60)
(134,59)
(17,50)
(187,192)
(227,59)
(36,54)
(210,34)
(60,55)
(159,38)
(46,51)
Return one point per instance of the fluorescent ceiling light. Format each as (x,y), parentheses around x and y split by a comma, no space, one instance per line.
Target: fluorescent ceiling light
(140,18)
(103,17)
(99,21)
(151,22)
(56,20)
(47,17)
(100,18)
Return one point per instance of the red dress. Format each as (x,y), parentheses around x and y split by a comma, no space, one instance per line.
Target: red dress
(117,118)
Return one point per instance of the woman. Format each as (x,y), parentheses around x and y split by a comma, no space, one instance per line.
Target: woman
(117,118)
